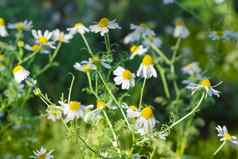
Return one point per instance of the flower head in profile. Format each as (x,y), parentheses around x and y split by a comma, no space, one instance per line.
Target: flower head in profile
(85,66)
(132,112)
(146,121)
(37,48)
(43,39)
(205,85)
(105,62)
(21,26)
(180,31)
(78,28)
(54,113)
(146,69)
(124,77)
(104,25)
(42,153)
(137,50)
(72,110)
(95,114)
(61,36)
(192,69)
(3,30)
(20,73)
(225,136)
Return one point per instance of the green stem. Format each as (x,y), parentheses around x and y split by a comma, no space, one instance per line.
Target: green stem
(115,100)
(141,93)
(28,57)
(107,42)
(153,152)
(176,50)
(187,115)
(164,81)
(70,88)
(87,45)
(219,148)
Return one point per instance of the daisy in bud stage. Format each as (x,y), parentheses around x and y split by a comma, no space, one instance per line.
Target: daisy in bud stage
(137,50)
(78,28)
(21,26)
(225,136)
(180,30)
(85,66)
(146,69)
(72,110)
(204,84)
(54,113)
(20,73)
(61,36)
(132,112)
(43,39)
(104,25)
(3,30)
(124,77)
(146,121)
(42,154)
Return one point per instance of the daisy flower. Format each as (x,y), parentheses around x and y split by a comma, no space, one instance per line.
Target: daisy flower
(78,28)
(21,26)
(72,110)
(96,113)
(61,36)
(225,136)
(42,154)
(181,30)
(152,39)
(204,84)
(43,39)
(137,50)
(36,48)
(54,113)
(124,77)
(132,112)
(3,30)
(146,121)
(85,66)
(20,73)
(101,61)
(104,25)
(192,69)
(146,69)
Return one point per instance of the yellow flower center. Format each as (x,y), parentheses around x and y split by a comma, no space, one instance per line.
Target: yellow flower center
(78,25)
(2,22)
(205,83)
(127,75)
(74,106)
(35,47)
(147,60)
(147,112)
(42,156)
(17,68)
(134,48)
(220,33)
(20,25)
(103,22)
(100,104)
(179,22)
(227,136)
(42,40)
(133,108)
(61,37)
(86,67)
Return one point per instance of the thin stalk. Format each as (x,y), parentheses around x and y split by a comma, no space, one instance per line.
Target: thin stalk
(28,57)
(187,115)
(219,148)
(161,54)
(164,81)
(153,152)
(70,88)
(87,45)
(107,42)
(141,93)
(177,92)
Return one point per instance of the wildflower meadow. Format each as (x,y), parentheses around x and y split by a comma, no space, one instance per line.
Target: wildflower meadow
(118,79)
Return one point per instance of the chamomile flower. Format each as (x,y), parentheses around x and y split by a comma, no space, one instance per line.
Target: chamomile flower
(180,31)
(146,121)
(21,26)
(78,28)
(3,30)
(54,113)
(42,154)
(225,136)
(72,110)
(61,36)
(137,50)
(20,73)
(37,48)
(43,39)
(124,77)
(192,69)
(204,84)
(85,66)
(96,113)
(104,25)
(152,39)
(100,61)
(146,69)
(132,112)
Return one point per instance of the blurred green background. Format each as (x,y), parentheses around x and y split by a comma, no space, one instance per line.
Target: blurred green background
(219,59)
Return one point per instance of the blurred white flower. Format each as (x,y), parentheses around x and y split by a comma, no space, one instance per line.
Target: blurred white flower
(42,154)
(85,66)
(94,115)
(146,69)
(37,48)
(43,39)
(124,77)
(219,1)
(54,113)
(152,39)
(104,25)
(3,30)
(192,69)
(137,50)
(132,112)
(102,61)
(180,31)
(61,36)
(20,73)
(168,1)
(21,26)
(225,136)
(78,28)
